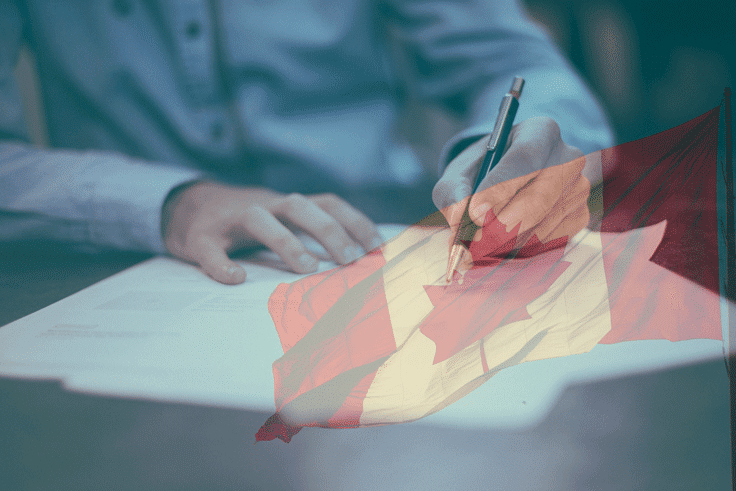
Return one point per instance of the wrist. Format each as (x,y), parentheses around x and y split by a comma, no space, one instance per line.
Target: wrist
(170,202)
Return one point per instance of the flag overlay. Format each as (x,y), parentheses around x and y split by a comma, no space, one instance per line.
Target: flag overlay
(386,340)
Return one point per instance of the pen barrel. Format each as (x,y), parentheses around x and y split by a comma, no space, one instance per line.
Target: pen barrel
(485,167)
(504,121)
(494,150)
(499,137)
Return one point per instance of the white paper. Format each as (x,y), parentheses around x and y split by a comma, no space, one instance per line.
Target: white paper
(163,330)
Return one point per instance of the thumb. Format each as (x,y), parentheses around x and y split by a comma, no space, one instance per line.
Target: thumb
(450,197)
(214,261)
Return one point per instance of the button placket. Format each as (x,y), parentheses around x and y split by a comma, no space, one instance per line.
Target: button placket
(193,29)
(122,8)
(194,38)
(190,25)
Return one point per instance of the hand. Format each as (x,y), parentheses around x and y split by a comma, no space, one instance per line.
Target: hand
(538,183)
(205,221)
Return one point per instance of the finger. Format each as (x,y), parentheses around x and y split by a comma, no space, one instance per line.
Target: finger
(533,202)
(457,179)
(553,192)
(268,230)
(455,213)
(451,199)
(531,146)
(574,215)
(497,197)
(450,189)
(529,149)
(213,260)
(359,226)
(303,213)
(564,220)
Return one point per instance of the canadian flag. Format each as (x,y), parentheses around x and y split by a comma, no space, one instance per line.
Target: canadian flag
(387,340)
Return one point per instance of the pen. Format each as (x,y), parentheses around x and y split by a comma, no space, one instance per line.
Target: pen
(494,150)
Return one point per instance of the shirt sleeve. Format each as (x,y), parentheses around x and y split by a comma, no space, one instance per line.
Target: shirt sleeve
(463,55)
(95,198)
(78,197)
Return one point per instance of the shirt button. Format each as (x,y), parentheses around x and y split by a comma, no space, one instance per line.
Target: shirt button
(122,7)
(193,29)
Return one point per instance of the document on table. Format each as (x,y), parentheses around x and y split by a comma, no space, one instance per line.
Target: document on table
(162,330)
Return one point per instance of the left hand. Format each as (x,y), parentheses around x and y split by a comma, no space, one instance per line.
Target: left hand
(204,221)
(538,183)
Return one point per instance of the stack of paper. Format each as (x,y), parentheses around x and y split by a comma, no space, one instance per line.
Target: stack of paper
(163,330)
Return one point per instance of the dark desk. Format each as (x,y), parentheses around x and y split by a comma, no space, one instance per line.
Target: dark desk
(33,276)
(668,430)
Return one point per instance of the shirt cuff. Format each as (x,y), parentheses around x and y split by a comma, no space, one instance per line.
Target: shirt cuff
(127,204)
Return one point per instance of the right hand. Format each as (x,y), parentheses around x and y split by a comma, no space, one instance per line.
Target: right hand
(538,185)
(204,221)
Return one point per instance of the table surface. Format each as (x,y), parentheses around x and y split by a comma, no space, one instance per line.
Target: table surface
(667,430)
(33,276)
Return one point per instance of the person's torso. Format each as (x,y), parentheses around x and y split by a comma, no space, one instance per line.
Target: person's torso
(243,89)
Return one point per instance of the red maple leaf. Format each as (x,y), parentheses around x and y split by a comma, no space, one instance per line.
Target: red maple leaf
(495,291)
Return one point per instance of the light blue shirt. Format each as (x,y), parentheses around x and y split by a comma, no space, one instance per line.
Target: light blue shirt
(141,96)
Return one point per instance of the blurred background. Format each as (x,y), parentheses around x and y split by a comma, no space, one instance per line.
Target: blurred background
(654,64)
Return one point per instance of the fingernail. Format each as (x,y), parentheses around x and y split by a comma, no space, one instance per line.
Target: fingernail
(236,273)
(456,214)
(350,253)
(308,261)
